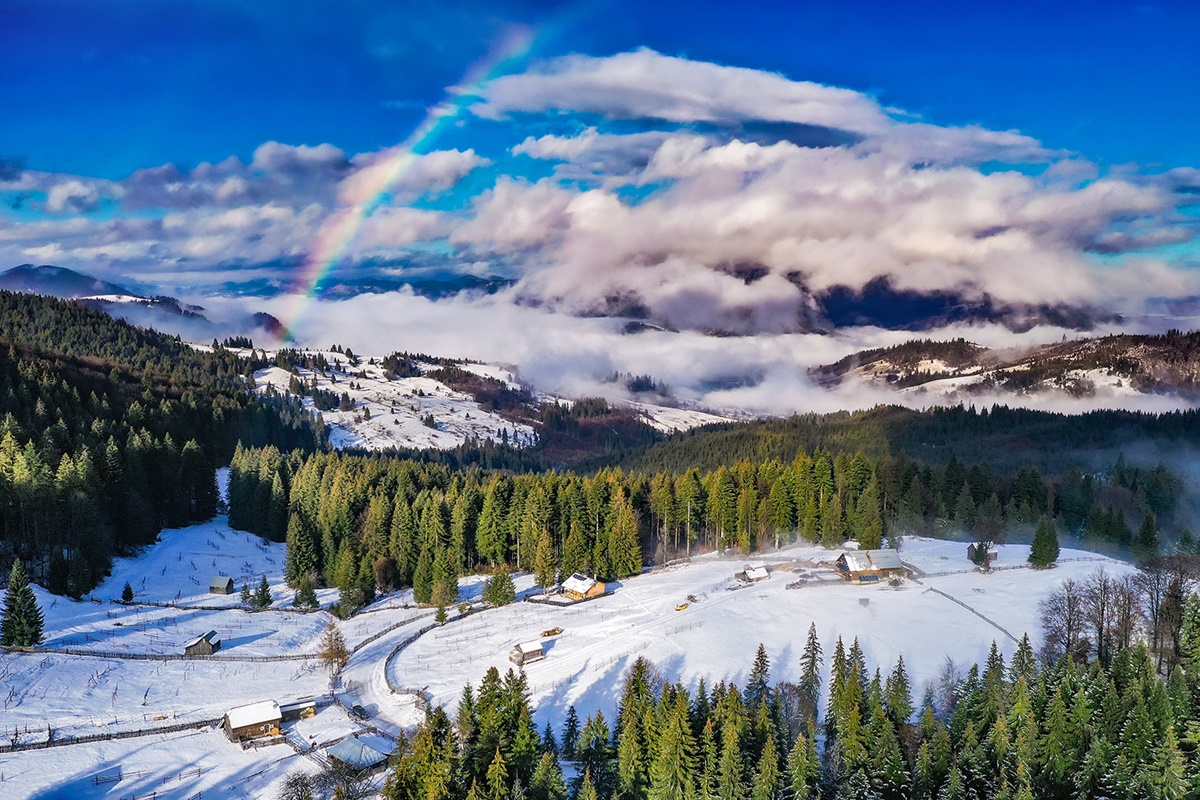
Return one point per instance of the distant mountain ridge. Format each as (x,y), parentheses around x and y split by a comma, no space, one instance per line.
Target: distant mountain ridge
(1122,363)
(60,282)
(160,312)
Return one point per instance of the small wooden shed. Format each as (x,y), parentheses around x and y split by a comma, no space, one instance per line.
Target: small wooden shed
(526,653)
(252,721)
(220,585)
(203,645)
(581,587)
(870,566)
(974,554)
(301,709)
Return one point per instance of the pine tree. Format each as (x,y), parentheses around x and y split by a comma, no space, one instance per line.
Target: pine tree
(306,595)
(570,734)
(21,622)
(127,593)
(423,576)
(767,782)
(810,671)
(673,763)
(1146,546)
(1044,551)
(803,768)
(262,596)
(543,562)
(247,596)
(625,553)
(499,590)
(759,686)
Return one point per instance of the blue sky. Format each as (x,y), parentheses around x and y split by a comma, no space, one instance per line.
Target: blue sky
(104,88)
(714,167)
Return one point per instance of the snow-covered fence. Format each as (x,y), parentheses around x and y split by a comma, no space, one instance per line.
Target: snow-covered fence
(380,634)
(106,737)
(195,607)
(995,625)
(77,651)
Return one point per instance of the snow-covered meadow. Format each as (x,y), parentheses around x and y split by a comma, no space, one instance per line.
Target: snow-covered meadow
(714,637)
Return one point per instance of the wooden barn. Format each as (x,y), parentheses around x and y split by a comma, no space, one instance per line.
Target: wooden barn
(581,587)
(870,566)
(203,645)
(526,653)
(220,585)
(301,709)
(252,721)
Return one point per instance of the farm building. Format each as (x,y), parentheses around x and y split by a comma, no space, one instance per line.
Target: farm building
(973,554)
(220,585)
(581,587)
(252,721)
(752,574)
(203,645)
(301,709)
(358,754)
(526,653)
(870,566)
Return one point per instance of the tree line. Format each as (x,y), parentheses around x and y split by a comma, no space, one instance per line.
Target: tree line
(1018,729)
(368,523)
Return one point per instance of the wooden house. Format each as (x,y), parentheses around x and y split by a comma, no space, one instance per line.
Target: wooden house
(526,653)
(220,585)
(252,721)
(870,566)
(581,587)
(203,645)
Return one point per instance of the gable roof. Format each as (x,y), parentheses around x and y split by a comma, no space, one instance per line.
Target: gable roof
(254,714)
(530,647)
(868,560)
(211,637)
(579,583)
(757,573)
(221,581)
(356,753)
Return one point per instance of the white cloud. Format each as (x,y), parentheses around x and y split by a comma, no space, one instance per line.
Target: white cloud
(645,84)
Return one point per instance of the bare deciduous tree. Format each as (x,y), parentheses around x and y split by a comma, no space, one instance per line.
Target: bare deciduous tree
(1064,622)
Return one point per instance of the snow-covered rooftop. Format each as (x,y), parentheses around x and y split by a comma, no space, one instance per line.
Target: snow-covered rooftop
(254,714)
(579,583)
(356,753)
(863,560)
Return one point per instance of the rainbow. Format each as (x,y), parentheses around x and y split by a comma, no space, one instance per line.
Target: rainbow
(339,230)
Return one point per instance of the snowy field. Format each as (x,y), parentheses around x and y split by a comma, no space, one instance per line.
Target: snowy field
(717,636)
(714,637)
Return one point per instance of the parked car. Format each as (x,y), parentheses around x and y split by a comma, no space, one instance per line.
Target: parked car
(359,712)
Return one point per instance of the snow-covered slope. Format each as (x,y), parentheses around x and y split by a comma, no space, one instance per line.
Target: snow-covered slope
(393,413)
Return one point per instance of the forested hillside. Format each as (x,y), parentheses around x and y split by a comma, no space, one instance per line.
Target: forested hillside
(109,433)
(1014,731)
(1003,437)
(367,523)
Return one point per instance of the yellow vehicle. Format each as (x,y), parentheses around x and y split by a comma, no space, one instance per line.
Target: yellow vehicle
(681,607)
(552,632)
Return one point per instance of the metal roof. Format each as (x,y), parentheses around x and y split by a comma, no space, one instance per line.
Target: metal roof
(220,580)
(867,560)
(356,753)
(254,714)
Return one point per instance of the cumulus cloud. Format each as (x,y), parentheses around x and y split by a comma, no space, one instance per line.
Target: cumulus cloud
(398,171)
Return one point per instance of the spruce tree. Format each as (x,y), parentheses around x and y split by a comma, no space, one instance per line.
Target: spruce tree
(262,595)
(570,735)
(498,590)
(759,686)
(1044,551)
(673,763)
(306,595)
(127,593)
(810,671)
(543,561)
(21,622)
(1146,546)
(246,595)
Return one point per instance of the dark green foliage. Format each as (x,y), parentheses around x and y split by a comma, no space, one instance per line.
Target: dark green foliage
(1044,551)
(127,593)
(499,589)
(21,621)
(262,595)
(108,433)
(306,595)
